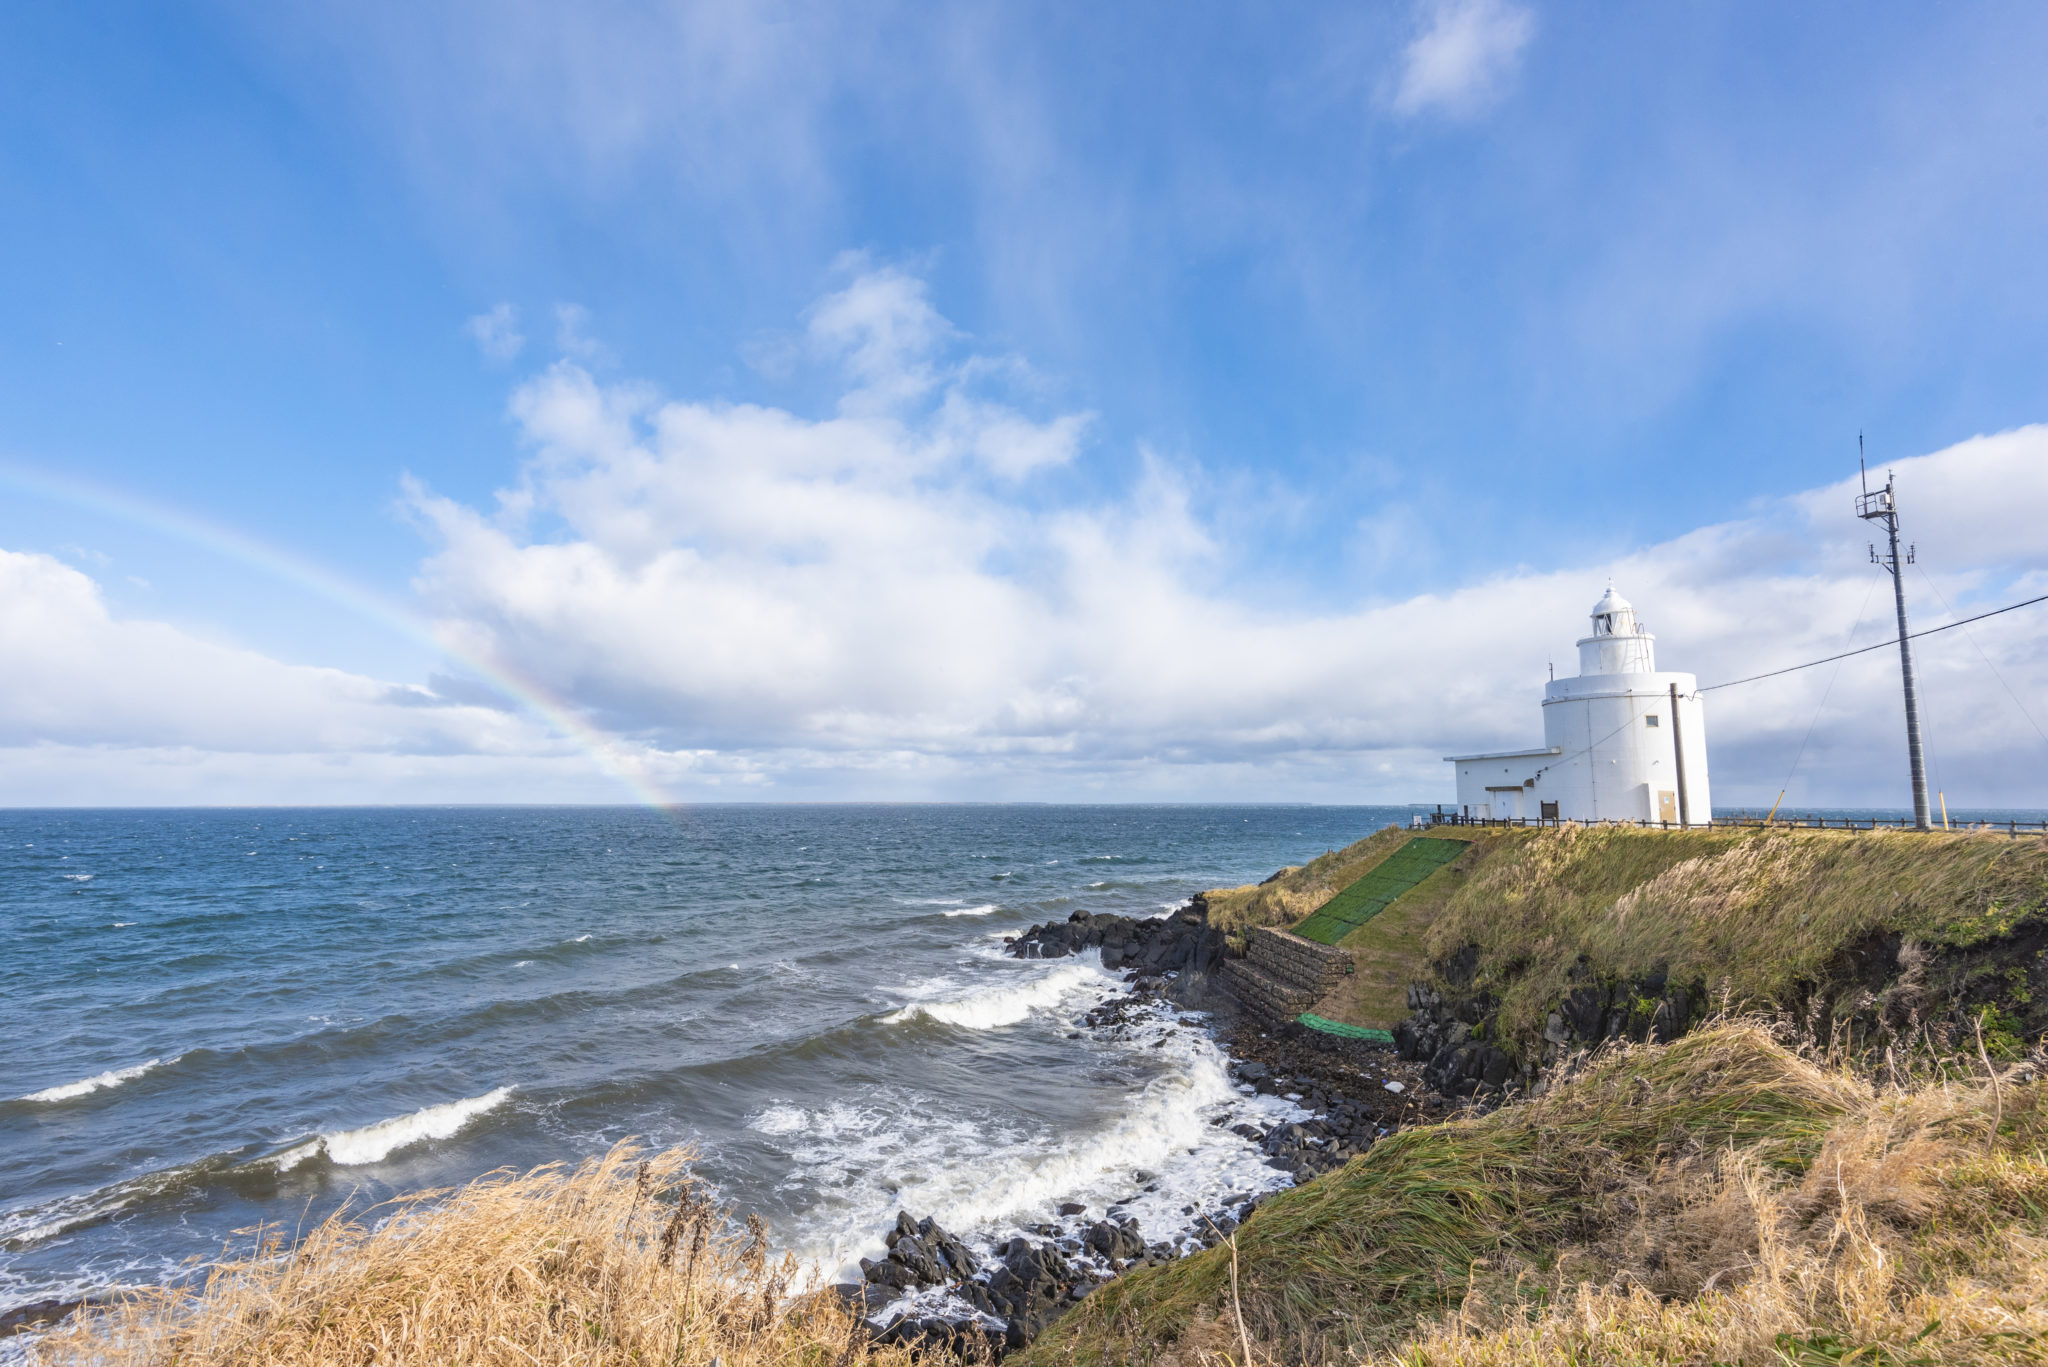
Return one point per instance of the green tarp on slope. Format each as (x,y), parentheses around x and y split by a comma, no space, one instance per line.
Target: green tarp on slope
(1330,1027)
(1368,897)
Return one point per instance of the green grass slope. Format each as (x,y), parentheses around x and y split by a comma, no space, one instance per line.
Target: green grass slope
(1752,913)
(1682,1203)
(1368,895)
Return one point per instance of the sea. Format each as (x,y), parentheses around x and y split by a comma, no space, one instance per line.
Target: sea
(215,1020)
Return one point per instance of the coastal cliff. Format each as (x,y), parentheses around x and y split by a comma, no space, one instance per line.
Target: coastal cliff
(1536,945)
(1703,1096)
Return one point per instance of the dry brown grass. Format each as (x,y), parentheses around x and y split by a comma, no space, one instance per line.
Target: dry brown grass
(621,1259)
(1913,1237)
(1717,1200)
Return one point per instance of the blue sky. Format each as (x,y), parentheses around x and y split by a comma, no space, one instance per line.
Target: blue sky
(1165,385)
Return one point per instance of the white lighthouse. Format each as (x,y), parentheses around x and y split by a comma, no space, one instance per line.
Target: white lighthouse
(1622,742)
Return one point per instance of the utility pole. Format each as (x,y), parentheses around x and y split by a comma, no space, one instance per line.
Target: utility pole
(1678,754)
(1883,506)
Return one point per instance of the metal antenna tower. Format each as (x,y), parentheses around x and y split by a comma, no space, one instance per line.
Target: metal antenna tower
(1883,506)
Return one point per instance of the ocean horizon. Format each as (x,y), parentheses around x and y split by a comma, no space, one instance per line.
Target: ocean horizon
(225,1017)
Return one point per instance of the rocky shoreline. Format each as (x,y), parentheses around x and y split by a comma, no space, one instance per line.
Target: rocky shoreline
(930,1290)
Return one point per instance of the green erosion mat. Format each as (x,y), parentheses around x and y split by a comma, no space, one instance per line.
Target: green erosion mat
(1368,897)
(1330,1027)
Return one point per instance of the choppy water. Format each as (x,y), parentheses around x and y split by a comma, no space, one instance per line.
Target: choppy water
(212,1018)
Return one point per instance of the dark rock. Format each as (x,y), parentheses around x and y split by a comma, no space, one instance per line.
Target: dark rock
(1113,1240)
(888,1272)
(1583,1011)
(932,1335)
(38,1315)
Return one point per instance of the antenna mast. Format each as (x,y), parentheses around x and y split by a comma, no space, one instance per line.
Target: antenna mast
(1883,506)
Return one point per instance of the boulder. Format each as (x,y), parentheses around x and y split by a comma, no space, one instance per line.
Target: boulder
(1113,1240)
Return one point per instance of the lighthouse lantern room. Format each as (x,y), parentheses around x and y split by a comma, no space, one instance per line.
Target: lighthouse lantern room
(1622,742)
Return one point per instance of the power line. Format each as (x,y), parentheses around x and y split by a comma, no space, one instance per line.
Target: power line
(1825,694)
(1987,661)
(1864,650)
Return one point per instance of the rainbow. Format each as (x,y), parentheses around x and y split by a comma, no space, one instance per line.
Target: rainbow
(608,753)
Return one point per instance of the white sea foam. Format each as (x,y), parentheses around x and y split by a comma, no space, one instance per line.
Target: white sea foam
(982,910)
(780,1120)
(986,1178)
(375,1143)
(580,939)
(28,1225)
(33,1224)
(79,877)
(99,1081)
(1006,1003)
(1165,1131)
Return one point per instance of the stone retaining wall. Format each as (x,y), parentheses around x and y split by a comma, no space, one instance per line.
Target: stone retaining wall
(1283,975)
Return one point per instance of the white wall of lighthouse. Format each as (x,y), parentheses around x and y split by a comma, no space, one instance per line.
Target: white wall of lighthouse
(1611,739)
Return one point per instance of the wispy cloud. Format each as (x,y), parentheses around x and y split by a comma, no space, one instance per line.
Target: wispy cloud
(1464,58)
(496,333)
(573,339)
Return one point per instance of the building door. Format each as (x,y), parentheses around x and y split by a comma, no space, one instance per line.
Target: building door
(1667,805)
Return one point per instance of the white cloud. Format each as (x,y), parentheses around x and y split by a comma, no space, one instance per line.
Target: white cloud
(1465,56)
(496,333)
(868,603)
(78,675)
(850,594)
(573,339)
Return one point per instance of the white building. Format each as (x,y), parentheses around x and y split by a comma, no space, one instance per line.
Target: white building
(1622,742)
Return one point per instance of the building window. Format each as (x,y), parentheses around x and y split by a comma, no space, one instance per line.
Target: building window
(1650,720)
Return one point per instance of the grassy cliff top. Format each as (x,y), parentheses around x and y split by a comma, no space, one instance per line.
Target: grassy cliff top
(1750,912)
(1715,1200)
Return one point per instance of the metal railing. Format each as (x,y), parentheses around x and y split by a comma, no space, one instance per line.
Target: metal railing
(1827,823)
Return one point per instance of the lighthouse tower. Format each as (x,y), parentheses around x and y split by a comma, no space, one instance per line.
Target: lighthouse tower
(1622,742)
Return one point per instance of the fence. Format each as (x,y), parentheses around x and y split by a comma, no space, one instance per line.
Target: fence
(1836,823)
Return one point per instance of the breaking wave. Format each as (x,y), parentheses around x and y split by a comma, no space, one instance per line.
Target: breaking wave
(98,1082)
(375,1143)
(992,1007)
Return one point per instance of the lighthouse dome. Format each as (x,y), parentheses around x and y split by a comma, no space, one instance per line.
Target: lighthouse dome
(1613,615)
